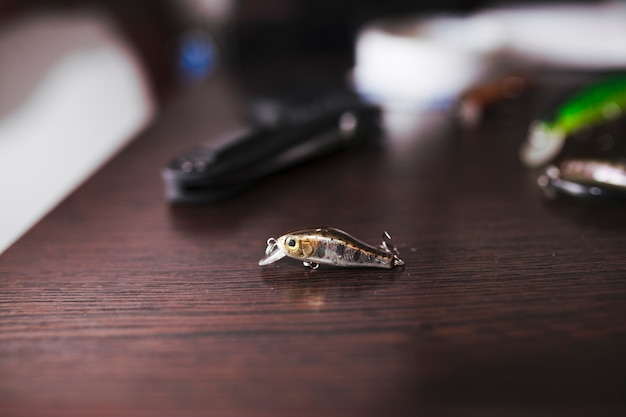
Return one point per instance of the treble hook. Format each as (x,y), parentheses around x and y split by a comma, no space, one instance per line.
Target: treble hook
(386,245)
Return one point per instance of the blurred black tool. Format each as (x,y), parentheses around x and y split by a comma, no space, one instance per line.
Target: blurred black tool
(285,134)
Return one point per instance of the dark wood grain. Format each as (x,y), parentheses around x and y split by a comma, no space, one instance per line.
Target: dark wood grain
(118,304)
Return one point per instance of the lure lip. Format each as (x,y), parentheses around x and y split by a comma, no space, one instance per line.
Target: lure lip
(542,145)
(273,252)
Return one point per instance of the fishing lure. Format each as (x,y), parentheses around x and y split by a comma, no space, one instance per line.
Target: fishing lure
(329,246)
(604,101)
(587,179)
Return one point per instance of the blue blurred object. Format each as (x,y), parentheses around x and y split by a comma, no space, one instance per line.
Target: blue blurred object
(197,57)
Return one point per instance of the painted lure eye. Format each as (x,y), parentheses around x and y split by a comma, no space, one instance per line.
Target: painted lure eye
(291,242)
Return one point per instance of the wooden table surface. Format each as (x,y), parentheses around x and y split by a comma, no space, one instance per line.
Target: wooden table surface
(119,304)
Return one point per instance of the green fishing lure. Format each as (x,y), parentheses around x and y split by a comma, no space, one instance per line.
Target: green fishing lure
(605,100)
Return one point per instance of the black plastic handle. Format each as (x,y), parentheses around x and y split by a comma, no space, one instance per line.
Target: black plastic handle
(206,174)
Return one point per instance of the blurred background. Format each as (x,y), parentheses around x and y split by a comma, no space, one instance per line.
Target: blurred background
(81,78)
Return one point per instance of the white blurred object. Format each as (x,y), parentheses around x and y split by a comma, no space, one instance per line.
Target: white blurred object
(568,35)
(211,10)
(73,93)
(426,62)
(423,63)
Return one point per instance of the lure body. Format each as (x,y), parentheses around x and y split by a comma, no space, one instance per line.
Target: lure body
(330,246)
(605,100)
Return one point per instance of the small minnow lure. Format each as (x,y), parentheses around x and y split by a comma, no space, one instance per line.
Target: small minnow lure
(604,101)
(329,246)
